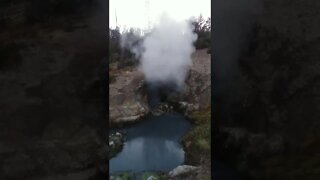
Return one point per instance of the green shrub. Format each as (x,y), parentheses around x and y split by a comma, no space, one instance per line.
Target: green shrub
(202,28)
(200,136)
(122,53)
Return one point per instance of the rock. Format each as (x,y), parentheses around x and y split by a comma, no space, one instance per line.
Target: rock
(116,141)
(160,109)
(151,178)
(183,104)
(182,170)
(187,108)
(127,103)
(129,118)
(197,89)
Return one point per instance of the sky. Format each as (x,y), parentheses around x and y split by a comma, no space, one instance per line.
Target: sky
(144,13)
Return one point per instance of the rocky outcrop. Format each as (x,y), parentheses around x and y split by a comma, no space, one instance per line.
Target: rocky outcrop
(127,102)
(197,89)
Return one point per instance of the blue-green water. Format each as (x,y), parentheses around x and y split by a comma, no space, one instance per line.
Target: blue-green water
(152,145)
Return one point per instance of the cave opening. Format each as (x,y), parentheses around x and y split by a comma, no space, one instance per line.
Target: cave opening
(160,92)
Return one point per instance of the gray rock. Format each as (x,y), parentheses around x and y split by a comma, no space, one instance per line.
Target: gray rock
(151,178)
(182,170)
(127,103)
(188,107)
(160,109)
(116,141)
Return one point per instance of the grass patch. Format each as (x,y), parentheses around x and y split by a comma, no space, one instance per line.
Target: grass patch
(198,142)
(148,174)
(200,135)
(126,176)
(203,144)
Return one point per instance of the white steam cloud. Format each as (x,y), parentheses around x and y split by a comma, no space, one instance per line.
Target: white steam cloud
(167,51)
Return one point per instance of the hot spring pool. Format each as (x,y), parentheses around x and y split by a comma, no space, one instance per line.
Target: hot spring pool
(152,145)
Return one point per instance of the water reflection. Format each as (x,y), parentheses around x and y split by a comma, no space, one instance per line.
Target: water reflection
(152,145)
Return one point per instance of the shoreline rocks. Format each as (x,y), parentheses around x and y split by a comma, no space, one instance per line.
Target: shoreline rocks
(116,141)
(183,170)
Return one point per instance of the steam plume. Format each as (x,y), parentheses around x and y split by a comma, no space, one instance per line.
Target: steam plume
(165,56)
(167,51)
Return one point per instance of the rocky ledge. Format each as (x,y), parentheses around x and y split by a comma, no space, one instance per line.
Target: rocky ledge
(126,101)
(128,97)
